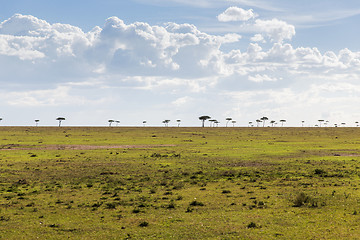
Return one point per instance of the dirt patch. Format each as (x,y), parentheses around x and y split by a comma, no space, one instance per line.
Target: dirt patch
(77,147)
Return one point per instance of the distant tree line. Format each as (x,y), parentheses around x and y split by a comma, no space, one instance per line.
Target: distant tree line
(215,123)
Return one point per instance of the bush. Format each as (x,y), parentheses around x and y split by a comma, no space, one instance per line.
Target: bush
(320,172)
(252,225)
(302,199)
(144,224)
(196,203)
(110,206)
(136,210)
(171,205)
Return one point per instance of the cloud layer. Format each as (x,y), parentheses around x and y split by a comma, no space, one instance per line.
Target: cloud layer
(59,65)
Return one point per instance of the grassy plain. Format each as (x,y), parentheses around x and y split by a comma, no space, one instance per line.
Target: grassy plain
(179,183)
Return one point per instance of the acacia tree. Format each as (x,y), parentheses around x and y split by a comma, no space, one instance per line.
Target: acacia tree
(282,122)
(258,121)
(228,120)
(117,122)
(272,123)
(144,123)
(233,122)
(110,122)
(320,121)
(326,123)
(178,121)
(60,119)
(212,122)
(357,124)
(37,121)
(203,119)
(250,124)
(302,123)
(217,123)
(166,122)
(264,120)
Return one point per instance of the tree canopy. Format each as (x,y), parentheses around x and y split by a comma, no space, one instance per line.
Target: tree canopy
(203,119)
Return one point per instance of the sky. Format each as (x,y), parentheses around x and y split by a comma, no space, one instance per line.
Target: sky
(137,60)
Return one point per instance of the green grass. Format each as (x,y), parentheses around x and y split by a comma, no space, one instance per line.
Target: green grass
(180,183)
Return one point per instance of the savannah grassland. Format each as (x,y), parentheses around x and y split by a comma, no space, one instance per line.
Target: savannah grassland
(179,183)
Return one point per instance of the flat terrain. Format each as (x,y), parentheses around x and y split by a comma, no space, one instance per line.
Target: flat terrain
(179,183)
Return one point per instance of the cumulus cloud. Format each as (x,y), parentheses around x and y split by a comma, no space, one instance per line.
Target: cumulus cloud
(131,49)
(258,38)
(236,14)
(177,52)
(275,29)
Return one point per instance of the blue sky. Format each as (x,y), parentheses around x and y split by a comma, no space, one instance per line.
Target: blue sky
(91,61)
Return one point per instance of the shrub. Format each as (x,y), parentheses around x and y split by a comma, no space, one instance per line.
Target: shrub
(171,205)
(110,206)
(96,205)
(144,224)
(3,218)
(252,225)
(196,203)
(136,210)
(302,199)
(320,172)
(189,209)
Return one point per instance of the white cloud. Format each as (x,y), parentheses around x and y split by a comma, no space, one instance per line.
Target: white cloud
(275,29)
(236,14)
(258,38)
